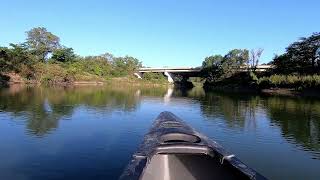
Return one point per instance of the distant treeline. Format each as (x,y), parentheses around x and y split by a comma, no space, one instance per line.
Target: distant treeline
(298,67)
(42,59)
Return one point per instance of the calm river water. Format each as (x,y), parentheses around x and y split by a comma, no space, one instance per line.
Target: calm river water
(91,132)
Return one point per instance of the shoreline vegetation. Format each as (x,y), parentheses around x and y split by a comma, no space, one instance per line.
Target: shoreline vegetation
(41,59)
(16,79)
(294,73)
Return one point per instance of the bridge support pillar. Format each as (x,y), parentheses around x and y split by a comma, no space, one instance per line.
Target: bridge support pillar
(138,75)
(170,76)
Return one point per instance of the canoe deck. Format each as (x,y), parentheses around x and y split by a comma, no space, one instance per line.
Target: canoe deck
(172,150)
(186,167)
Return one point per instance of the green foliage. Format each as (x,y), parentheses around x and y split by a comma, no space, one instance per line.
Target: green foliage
(217,68)
(123,66)
(29,59)
(154,77)
(234,60)
(14,57)
(236,57)
(290,81)
(4,60)
(41,42)
(301,57)
(52,74)
(212,61)
(63,55)
(212,67)
(298,68)
(95,65)
(253,76)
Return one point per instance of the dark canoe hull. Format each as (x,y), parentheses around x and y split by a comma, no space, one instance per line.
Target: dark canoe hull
(172,150)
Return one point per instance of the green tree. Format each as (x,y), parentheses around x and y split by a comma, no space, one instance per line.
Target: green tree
(3,59)
(13,58)
(212,68)
(300,57)
(63,55)
(236,57)
(234,60)
(123,66)
(211,61)
(42,42)
(97,65)
(283,64)
(217,68)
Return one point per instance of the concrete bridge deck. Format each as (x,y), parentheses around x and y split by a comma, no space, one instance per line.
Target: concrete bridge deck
(167,69)
(171,72)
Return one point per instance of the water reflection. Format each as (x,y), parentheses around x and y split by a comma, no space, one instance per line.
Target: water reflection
(298,119)
(125,110)
(43,107)
(168,95)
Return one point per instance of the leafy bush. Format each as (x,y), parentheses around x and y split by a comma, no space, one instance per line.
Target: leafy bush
(52,74)
(12,58)
(154,77)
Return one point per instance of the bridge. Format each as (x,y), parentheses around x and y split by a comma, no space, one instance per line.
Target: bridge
(187,72)
(171,73)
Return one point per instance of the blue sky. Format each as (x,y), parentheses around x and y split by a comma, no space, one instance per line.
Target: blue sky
(166,32)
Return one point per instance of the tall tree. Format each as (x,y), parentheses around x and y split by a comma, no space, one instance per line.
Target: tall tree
(42,42)
(211,68)
(212,61)
(255,55)
(301,56)
(233,60)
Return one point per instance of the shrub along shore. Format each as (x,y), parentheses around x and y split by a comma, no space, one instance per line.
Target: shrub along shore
(289,85)
(41,59)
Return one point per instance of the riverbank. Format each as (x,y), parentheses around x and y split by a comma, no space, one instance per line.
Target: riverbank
(8,79)
(263,83)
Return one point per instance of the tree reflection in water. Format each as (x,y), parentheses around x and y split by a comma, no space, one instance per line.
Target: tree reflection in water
(298,119)
(43,107)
